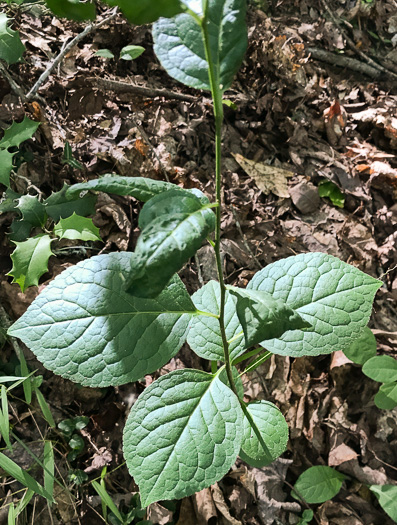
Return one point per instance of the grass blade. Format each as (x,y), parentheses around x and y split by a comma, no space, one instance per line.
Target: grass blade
(49,468)
(103,494)
(4,420)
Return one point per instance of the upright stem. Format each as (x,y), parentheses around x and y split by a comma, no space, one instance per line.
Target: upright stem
(216,92)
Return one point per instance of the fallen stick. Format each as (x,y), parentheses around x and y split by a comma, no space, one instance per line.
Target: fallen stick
(345,62)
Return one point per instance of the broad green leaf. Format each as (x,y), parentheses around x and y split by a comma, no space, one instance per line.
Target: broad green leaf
(387,497)
(382,368)
(104,53)
(19,231)
(131,52)
(22,476)
(362,348)
(9,200)
(62,204)
(326,188)
(11,47)
(386,398)
(77,227)
(182,435)
(5,166)
(334,297)
(264,317)
(140,188)
(204,336)
(318,484)
(174,224)
(30,260)
(33,211)
(147,11)
(265,434)
(73,9)
(18,132)
(178,44)
(237,381)
(86,328)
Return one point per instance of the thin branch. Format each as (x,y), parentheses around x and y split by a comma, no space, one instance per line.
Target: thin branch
(344,61)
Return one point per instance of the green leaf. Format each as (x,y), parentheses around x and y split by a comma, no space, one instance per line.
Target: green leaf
(237,381)
(11,47)
(387,497)
(362,348)
(265,434)
(33,211)
(182,435)
(131,52)
(174,224)
(140,188)
(382,368)
(30,260)
(204,336)
(9,200)
(107,500)
(5,166)
(326,188)
(18,132)
(386,398)
(86,328)
(318,484)
(73,9)
(334,297)
(69,159)
(62,204)
(178,44)
(104,53)
(77,227)
(147,11)
(19,231)
(264,317)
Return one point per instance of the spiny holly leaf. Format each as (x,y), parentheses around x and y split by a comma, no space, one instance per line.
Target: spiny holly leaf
(11,47)
(264,317)
(62,204)
(73,9)
(30,260)
(18,132)
(140,188)
(19,230)
(182,435)
(174,224)
(77,227)
(386,398)
(362,348)
(131,52)
(318,484)
(5,166)
(382,368)
(33,211)
(84,327)
(147,11)
(204,336)
(387,497)
(178,44)
(265,434)
(334,297)
(9,201)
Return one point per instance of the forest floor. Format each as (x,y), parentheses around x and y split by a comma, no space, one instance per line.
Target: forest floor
(297,116)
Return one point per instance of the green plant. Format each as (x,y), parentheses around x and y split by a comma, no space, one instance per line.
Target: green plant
(114,318)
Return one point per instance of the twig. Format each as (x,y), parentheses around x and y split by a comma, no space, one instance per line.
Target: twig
(343,61)
(89,29)
(125,87)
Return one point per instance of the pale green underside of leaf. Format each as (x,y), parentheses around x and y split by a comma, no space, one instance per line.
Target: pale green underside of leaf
(204,335)
(318,484)
(273,430)
(382,368)
(182,435)
(334,297)
(362,348)
(387,496)
(86,328)
(77,227)
(178,43)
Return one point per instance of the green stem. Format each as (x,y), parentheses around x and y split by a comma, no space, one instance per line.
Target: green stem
(216,93)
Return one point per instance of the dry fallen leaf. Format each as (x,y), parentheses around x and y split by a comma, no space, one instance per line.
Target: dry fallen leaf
(267,178)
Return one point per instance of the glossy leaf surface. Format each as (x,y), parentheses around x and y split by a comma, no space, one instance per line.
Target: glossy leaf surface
(265,434)
(62,204)
(5,166)
(84,327)
(147,11)
(73,9)
(77,227)
(18,132)
(318,484)
(33,211)
(11,47)
(334,297)
(182,435)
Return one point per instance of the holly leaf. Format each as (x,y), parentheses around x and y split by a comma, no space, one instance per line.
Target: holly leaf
(18,132)
(174,224)
(85,327)
(147,11)
(179,45)
(182,435)
(30,260)
(334,297)
(77,227)
(11,47)
(6,166)
(265,434)
(62,204)
(264,317)
(73,9)
(318,484)
(9,201)
(33,211)
(19,230)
